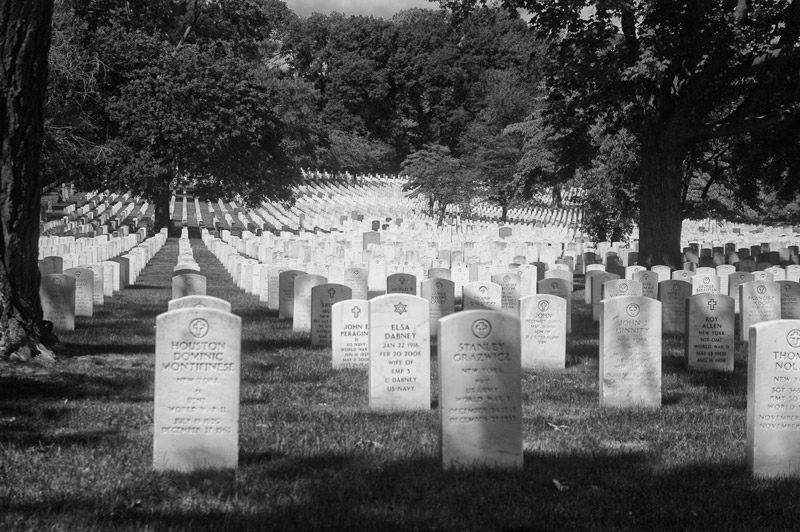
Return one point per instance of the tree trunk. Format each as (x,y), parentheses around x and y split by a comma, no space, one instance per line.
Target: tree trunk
(24,44)
(660,212)
(162,217)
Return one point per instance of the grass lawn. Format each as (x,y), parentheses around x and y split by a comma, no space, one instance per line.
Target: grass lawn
(76,441)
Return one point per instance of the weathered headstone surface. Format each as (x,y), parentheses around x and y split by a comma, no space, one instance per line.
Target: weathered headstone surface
(323,297)
(649,281)
(621,287)
(790,300)
(709,341)
(510,291)
(734,281)
(400,364)
(543,331)
(286,280)
(560,288)
(356,279)
(199,302)
(597,292)
(479,295)
(84,290)
(57,293)
(440,295)
(705,284)
(630,352)
(773,399)
(350,334)
(760,301)
(672,295)
(197,373)
(301,313)
(188,283)
(480,390)
(401,283)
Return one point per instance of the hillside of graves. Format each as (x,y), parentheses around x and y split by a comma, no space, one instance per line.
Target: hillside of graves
(219,378)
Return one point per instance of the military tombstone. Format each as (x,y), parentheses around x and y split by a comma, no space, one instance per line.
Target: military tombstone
(440,294)
(399,372)
(790,300)
(759,301)
(199,302)
(401,283)
(543,331)
(773,394)
(480,390)
(510,291)
(479,295)
(301,312)
(709,340)
(356,278)
(630,352)
(188,283)
(323,297)
(196,403)
(57,294)
(672,294)
(350,334)
(286,280)
(84,290)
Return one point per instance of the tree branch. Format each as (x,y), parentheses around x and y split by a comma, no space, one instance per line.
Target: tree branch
(189,28)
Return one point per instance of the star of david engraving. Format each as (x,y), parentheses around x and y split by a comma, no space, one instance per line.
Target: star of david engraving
(793,337)
(400,308)
(356,311)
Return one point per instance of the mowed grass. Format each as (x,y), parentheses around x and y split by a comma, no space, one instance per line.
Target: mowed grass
(76,442)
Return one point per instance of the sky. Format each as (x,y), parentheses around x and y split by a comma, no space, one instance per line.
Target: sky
(377,8)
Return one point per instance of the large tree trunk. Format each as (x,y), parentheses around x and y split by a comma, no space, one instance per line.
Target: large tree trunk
(162,217)
(660,209)
(24,44)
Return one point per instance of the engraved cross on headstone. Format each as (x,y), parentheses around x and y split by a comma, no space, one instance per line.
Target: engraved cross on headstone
(356,311)
(711,304)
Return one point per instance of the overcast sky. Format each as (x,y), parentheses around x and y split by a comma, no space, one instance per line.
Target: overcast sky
(378,8)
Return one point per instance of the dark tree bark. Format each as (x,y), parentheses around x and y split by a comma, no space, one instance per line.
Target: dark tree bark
(24,45)
(662,154)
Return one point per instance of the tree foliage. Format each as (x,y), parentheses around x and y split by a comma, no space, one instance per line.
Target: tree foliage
(192,94)
(678,76)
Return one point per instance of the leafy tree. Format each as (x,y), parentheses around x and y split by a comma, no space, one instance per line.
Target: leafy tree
(436,175)
(675,75)
(25,30)
(197,97)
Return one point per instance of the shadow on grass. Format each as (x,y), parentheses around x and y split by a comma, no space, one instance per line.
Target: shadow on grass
(45,442)
(360,491)
(73,386)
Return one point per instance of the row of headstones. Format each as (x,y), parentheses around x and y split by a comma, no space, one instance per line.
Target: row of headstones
(77,290)
(196,421)
(754,297)
(98,214)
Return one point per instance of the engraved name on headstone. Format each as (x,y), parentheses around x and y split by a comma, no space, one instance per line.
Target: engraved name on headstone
(480,390)
(196,404)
